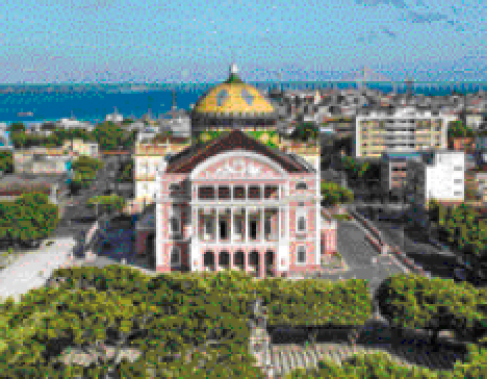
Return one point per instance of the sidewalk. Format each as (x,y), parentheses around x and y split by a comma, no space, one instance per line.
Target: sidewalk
(23,275)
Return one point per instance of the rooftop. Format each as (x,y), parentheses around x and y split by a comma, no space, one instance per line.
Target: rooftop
(30,179)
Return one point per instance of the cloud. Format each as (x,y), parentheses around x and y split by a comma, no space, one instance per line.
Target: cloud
(389,33)
(425,18)
(373,3)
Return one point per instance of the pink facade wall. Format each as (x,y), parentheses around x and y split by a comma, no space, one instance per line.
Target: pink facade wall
(310,256)
(328,241)
(266,173)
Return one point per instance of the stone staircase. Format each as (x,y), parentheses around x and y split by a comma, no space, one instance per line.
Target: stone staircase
(285,358)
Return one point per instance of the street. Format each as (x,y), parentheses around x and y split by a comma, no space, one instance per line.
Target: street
(358,253)
(78,217)
(415,244)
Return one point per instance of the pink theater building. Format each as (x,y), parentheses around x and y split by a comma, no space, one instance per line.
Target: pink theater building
(234,203)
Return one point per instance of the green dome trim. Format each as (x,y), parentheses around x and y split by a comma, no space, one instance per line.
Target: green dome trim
(234,78)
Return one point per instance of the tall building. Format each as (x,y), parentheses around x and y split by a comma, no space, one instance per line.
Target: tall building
(393,168)
(436,175)
(238,198)
(406,129)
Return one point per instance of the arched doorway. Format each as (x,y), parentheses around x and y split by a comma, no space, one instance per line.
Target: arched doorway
(150,251)
(224,260)
(238,260)
(209,261)
(269,263)
(254,263)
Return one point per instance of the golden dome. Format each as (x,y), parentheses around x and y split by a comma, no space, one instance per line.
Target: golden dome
(234,98)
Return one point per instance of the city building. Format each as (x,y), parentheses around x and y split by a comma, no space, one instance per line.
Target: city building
(404,129)
(42,160)
(5,141)
(235,203)
(72,123)
(114,117)
(149,155)
(14,185)
(436,175)
(239,198)
(82,148)
(393,167)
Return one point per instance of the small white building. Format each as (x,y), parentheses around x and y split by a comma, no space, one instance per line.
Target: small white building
(436,175)
(72,123)
(114,117)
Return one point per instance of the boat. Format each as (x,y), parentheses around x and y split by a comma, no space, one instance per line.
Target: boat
(25,114)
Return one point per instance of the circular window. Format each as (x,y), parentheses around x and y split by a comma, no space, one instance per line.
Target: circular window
(222,97)
(247,96)
(301,186)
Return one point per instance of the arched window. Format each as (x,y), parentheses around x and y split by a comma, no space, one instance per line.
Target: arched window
(175,256)
(301,186)
(301,255)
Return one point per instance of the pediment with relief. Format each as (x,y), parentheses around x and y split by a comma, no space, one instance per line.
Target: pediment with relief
(239,167)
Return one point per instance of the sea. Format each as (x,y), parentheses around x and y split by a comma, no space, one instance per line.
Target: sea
(92,102)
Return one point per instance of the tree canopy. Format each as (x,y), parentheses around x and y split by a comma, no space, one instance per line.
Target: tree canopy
(28,219)
(335,194)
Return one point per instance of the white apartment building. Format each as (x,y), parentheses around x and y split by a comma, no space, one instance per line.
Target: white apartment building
(406,129)
(436,175)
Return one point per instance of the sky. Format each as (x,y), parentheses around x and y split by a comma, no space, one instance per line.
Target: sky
(155,41)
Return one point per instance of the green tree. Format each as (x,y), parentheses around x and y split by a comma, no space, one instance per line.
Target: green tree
(112,202)
(109,136)
(6,161)
(458,129)
(334,194)
(16,127)
(35,218)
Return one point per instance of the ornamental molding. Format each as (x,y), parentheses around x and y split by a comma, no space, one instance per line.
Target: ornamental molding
(239,167)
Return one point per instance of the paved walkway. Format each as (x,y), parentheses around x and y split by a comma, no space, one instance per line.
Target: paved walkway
(23,275)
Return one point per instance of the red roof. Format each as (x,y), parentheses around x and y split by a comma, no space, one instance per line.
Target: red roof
(189,158)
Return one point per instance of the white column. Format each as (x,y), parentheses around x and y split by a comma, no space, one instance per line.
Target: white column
(231,225)
(247,224)
(262,227)
(232,187)
(262,192)
(217,237)
(246,192)
(279,224)
(159,236)
(196,223)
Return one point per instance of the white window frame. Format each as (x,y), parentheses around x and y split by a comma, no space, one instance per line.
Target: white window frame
(177,216)
(173,250)
(299,248)
(299,214)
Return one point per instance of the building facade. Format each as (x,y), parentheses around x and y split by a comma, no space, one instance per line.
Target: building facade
(393,168)
(41,160)
(236,204)
(404,130)
(243,199)
(438,175)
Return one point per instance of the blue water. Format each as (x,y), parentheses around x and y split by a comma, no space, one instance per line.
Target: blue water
(93,104)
